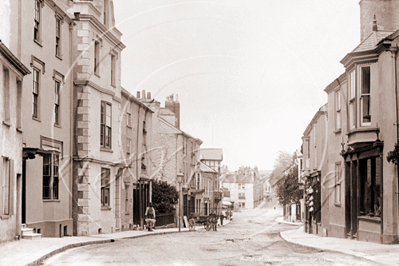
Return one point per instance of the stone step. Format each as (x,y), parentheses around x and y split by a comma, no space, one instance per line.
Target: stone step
(31,236)
(26,230)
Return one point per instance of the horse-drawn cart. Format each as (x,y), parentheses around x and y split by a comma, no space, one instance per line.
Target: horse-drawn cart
(207,220)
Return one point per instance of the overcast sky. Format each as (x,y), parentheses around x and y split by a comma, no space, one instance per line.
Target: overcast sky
(250,74)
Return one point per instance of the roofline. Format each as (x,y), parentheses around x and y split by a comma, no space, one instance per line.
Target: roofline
(130,97)
(210,169)
(315,117)
(189,136)
(13,59)
(170,125)
(337,82)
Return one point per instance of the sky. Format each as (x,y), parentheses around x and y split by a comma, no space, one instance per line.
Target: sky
(249,74)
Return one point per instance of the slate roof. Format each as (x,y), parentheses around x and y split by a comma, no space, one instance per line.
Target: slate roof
(211,154)
(371,41)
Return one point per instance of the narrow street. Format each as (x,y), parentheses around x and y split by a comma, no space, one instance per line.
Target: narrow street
(251,239)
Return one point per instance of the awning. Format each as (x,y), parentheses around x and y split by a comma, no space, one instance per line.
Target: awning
(227,203)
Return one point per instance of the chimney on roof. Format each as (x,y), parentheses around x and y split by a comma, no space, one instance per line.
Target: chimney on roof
(149,95)
(143,94)
(138,95)
(375,27)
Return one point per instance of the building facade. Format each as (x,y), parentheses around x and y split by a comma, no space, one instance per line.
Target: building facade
(11,84)
(97,156)
(314,167)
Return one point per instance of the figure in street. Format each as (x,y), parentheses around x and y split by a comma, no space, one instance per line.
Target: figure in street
(150,217)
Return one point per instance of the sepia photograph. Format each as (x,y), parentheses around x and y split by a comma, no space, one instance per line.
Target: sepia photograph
(199,132)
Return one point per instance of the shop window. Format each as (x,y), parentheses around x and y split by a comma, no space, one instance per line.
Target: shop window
(370,187)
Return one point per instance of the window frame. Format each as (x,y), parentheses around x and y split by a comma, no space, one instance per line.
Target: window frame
(19,104)
(105,188)
(37,22)
(352,99)
(363,95)
(113,70)
(97,57)
(58,36)
(6,186)
(6,95)
(52,173)
(128,116)
(36,93)
(104,127)
(338,116)
(57,95)
(337,184)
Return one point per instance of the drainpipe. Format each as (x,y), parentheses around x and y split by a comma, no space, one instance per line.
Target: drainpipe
(72,119)
(137,168)
(393,49)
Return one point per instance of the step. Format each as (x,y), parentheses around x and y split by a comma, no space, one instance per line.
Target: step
(26,230)
(31,236)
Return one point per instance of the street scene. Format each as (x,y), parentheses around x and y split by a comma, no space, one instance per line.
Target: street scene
(186,132)
(252,238)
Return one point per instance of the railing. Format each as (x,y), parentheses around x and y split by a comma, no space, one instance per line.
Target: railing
(164,219)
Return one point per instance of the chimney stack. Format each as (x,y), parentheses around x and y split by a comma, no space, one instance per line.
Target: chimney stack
(386,12)
(149,95)
(138,95)
(143,94)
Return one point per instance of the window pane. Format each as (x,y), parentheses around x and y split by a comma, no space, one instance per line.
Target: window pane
(352,85)
(366,108)
(365,80)
(108,115)
(105,177)
(55,187)
(46,187)
(46,164)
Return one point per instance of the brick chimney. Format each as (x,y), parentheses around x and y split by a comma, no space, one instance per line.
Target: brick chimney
(384,10)
(173,104)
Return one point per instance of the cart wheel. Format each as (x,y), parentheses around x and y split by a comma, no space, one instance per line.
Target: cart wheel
(191,225)
(207,226)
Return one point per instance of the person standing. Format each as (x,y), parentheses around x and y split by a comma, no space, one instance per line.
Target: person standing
(150,217)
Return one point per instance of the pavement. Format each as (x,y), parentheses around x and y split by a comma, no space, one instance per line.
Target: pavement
(379,253)
(33,252)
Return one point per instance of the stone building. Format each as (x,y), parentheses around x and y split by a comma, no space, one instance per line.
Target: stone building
(98,160)
(174,151)
(11,83)
(136,130)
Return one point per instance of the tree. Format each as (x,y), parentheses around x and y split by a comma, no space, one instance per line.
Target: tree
(288,187)
(283,161)
(164,196)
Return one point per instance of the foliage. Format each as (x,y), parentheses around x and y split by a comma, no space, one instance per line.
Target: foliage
(164,196)
(288,187)
(283,161)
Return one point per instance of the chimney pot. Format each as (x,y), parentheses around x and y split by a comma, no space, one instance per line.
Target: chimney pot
(138,95)
(148,95)
(375,27)
(143,93)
